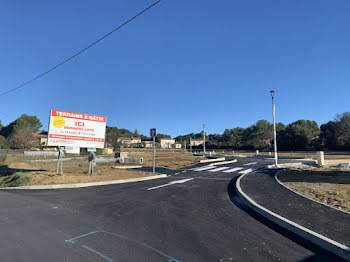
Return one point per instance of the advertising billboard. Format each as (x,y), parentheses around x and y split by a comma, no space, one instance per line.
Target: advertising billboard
(76,129)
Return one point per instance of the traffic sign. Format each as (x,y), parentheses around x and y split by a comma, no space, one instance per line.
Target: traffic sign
(153,132)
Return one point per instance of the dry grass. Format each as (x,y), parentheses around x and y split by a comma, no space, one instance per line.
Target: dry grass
(76,170)
(337,195)
(170,159)
(328,186)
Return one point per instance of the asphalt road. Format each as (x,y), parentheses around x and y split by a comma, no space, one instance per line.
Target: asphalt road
(198,220)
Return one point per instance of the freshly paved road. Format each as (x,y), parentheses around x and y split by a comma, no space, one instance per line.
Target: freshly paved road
(199,220)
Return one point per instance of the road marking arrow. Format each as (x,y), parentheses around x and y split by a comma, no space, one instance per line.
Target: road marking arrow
(171,183)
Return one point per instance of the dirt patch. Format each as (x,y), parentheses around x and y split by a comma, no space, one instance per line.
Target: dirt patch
(170,159)
(76,169)
(328,187)
(336,195)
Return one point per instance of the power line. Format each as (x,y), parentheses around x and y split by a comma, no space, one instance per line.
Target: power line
(82,50)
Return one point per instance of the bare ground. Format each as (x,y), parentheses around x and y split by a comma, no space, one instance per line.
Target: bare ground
(170,159)
(331,187)
(76,170)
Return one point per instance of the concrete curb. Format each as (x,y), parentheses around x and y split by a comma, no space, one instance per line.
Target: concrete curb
(279,182)
(89,184)
(330,245)
(212,160)
(125,167)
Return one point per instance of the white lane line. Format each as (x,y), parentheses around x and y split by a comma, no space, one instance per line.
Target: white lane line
(232,170)
(223,163)
(252,163)
(247,171)
(171,183)
(203,168)
(219,169)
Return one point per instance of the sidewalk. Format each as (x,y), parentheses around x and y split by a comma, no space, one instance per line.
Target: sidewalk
(265,191)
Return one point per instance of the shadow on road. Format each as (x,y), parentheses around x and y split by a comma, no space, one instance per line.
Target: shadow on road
(319,253)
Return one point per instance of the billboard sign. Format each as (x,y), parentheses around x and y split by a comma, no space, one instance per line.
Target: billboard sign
(76,129)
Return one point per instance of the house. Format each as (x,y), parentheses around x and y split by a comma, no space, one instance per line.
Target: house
(148,144)
(129,140)
(196,142)
(167,143)
(178,145)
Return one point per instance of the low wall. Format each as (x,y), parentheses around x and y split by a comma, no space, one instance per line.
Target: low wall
(41,153)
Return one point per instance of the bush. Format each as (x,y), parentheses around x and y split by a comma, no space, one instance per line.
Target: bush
(17,179)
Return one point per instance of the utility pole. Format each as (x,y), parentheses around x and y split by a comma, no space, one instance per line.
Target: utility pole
(274,126)
(204,138)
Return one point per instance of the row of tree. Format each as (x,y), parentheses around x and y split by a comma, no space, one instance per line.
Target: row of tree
(299,135)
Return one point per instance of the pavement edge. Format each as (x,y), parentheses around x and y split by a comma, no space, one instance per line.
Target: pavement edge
(328,244)
(89,184)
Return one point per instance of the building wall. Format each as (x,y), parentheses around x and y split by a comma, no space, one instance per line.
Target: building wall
(178,146)
(196,142)
(167,143)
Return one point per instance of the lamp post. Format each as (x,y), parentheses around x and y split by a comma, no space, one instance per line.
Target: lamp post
(274,126)
(204,138)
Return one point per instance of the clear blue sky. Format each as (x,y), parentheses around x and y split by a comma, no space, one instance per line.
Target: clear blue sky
(181,64)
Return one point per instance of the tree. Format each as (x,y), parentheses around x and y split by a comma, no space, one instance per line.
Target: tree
(258,136)
(234,137)
(344,130)
(299,135)
(136,133)
(24,121)
(23,138)
(29,122)
(4,144)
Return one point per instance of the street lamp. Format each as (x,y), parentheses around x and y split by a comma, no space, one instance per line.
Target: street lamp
(204,138)
(274,126)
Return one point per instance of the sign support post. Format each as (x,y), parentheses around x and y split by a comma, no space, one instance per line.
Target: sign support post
(153,133)
(154,155)
(60,161)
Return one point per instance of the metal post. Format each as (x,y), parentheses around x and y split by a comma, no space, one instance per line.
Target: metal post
(59,161)
(204,138)
(154,155)
(274,127)
(190,145)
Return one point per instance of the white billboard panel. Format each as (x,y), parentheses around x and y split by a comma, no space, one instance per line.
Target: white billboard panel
(76,129)
(72,150)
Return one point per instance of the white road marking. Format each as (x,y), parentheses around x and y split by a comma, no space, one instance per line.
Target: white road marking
(233,170)
(219,169)
(203,168)
(248,164)
(247,171)
(171,183)
(224,162)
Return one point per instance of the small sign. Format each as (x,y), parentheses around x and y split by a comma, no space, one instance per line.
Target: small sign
(72,150)
(153,132)
(91,149)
